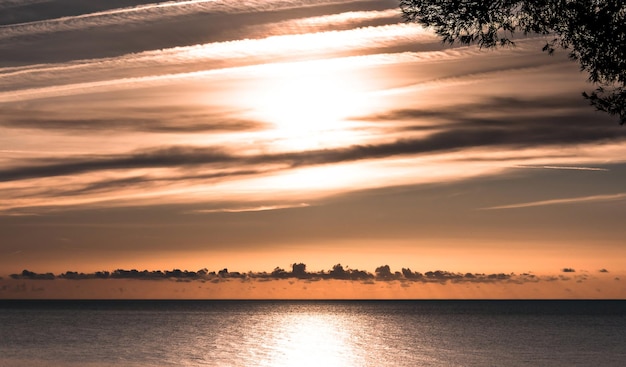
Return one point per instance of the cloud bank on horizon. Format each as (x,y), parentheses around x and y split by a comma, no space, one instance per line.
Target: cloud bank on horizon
(216,108)
(337,283)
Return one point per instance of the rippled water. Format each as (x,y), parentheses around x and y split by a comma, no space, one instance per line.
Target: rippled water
(287,333)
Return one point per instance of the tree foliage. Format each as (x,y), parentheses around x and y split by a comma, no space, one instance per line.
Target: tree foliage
(592,31)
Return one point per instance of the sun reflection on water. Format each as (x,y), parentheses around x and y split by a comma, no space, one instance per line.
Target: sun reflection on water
(310,339)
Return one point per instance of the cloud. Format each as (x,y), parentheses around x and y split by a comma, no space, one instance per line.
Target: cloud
(384,273)
(103,190)
(489,106)
(501,123)
(250,209)
(164,121)
(207,24)
(573,168)
(574,200)
(173,156)
(148,13)
(463,134)
(7,4)
(409,133)
(325,23)
(206,59)
(337,272)
(26,274)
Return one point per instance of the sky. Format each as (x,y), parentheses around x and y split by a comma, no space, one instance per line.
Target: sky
(255,134)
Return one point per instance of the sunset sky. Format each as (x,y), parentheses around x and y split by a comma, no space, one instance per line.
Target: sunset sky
(254,134)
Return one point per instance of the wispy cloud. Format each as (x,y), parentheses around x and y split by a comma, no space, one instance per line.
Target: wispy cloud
(478,133)
(113,74)
(573,168)
(157,120)
(260,208)
(323,23)
(255,56)
(574,200)
(184,171)
(150,12)
(351,16)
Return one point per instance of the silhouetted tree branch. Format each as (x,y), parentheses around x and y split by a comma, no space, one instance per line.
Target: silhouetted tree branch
(593,32)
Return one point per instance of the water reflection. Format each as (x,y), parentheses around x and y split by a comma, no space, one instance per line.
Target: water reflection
(362,333)
(313,339)
(337,334)
(592,31)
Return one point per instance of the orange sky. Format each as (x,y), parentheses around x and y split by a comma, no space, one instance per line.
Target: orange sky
(255,134)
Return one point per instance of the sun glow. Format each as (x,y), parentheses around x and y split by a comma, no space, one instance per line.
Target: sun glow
(310,110)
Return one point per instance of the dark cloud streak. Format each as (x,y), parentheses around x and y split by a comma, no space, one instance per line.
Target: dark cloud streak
(109,126)
(147,182)
(489,105)
(338,272)
(462,133)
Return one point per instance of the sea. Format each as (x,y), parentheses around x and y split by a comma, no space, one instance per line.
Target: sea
(312,333)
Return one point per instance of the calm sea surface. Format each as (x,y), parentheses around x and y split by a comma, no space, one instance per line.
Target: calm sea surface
(312,333)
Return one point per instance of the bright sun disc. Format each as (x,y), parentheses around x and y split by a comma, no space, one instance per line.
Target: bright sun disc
(309,111)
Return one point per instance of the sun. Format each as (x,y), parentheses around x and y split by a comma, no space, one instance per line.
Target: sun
(306,102)
(309,110)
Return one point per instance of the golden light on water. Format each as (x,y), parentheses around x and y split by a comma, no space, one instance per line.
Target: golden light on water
(310,339)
